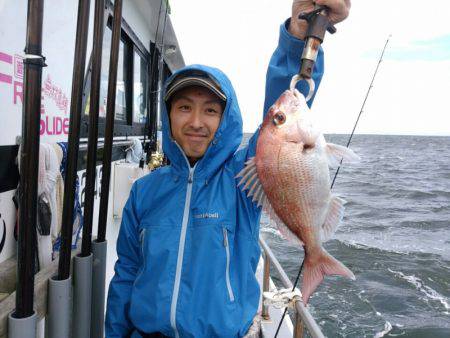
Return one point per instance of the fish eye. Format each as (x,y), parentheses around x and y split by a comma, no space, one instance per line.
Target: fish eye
(279,118)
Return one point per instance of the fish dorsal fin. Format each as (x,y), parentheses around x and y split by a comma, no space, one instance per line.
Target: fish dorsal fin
(336,152)
(333,219)
(250,181)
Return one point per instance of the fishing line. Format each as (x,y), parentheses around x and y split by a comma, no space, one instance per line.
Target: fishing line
(362,107)
(337,171)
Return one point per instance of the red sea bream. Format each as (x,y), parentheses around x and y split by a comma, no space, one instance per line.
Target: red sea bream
(290,178)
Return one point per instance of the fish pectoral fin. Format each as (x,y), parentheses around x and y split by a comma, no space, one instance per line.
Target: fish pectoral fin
(336,153)
(250,180)
(314,273)
(333,219)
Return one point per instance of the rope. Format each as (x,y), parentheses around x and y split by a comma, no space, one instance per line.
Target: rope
(293,288)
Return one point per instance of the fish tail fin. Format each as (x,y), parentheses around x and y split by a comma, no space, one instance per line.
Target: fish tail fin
(315,269)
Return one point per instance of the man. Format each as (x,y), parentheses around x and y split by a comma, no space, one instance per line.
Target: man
(188,243)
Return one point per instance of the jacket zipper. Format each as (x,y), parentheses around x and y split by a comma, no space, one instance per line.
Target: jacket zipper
(227,269)
(141,243)
(176,286)
(141,240)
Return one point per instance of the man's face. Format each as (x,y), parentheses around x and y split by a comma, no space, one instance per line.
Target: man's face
(195,115)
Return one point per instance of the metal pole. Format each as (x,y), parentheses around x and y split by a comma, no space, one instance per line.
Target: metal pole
(265,309)
(298,328)
(74,138)
(99,250)
(82,292)
(109,126)
(29,156)
(59,301)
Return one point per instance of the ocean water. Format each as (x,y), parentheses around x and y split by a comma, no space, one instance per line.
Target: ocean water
(395,237)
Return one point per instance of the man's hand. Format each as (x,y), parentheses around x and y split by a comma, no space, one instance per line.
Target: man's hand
(337,11)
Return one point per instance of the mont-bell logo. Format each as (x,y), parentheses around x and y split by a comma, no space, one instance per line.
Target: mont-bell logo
(206,215)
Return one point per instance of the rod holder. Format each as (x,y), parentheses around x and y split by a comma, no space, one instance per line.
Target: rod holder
(99,250)
(59,307)
(22,327)
(82,294)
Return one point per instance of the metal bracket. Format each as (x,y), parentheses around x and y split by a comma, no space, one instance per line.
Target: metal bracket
(33,59)
(282,298)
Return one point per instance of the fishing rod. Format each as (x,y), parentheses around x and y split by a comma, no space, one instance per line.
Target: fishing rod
(100,245)
(22,322)
(97,45)
(362,107)
(337,171)
(109,125)
(157,56)
(60,286)
(98,250)
(74,139)
(84,261)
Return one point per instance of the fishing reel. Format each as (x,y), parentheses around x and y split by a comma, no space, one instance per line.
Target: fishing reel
(318,25)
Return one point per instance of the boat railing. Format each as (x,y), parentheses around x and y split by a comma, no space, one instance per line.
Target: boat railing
(303,317)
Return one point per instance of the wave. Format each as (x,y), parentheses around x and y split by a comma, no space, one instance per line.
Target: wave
(429,292)
(387,329)
(425,224)
(361,246)
(413,194)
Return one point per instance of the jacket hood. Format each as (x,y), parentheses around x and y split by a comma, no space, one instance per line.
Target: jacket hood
(227,138)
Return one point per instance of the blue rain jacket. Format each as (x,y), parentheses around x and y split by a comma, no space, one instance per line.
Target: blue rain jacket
(188,243)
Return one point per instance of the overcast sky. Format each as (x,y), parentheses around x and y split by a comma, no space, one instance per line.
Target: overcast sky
(412,88)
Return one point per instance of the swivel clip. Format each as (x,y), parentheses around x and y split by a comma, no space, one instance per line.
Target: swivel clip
(311,85)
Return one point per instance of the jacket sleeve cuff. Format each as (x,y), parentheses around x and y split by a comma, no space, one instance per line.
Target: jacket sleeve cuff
(290,44)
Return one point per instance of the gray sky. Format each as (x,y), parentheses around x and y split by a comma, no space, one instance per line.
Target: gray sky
(411,90)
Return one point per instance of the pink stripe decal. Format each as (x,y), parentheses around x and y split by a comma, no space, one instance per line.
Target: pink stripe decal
(5,78)
(5,58)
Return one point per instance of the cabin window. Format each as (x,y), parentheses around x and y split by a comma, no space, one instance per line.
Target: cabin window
(140,102)
(121,87)
(132,104)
